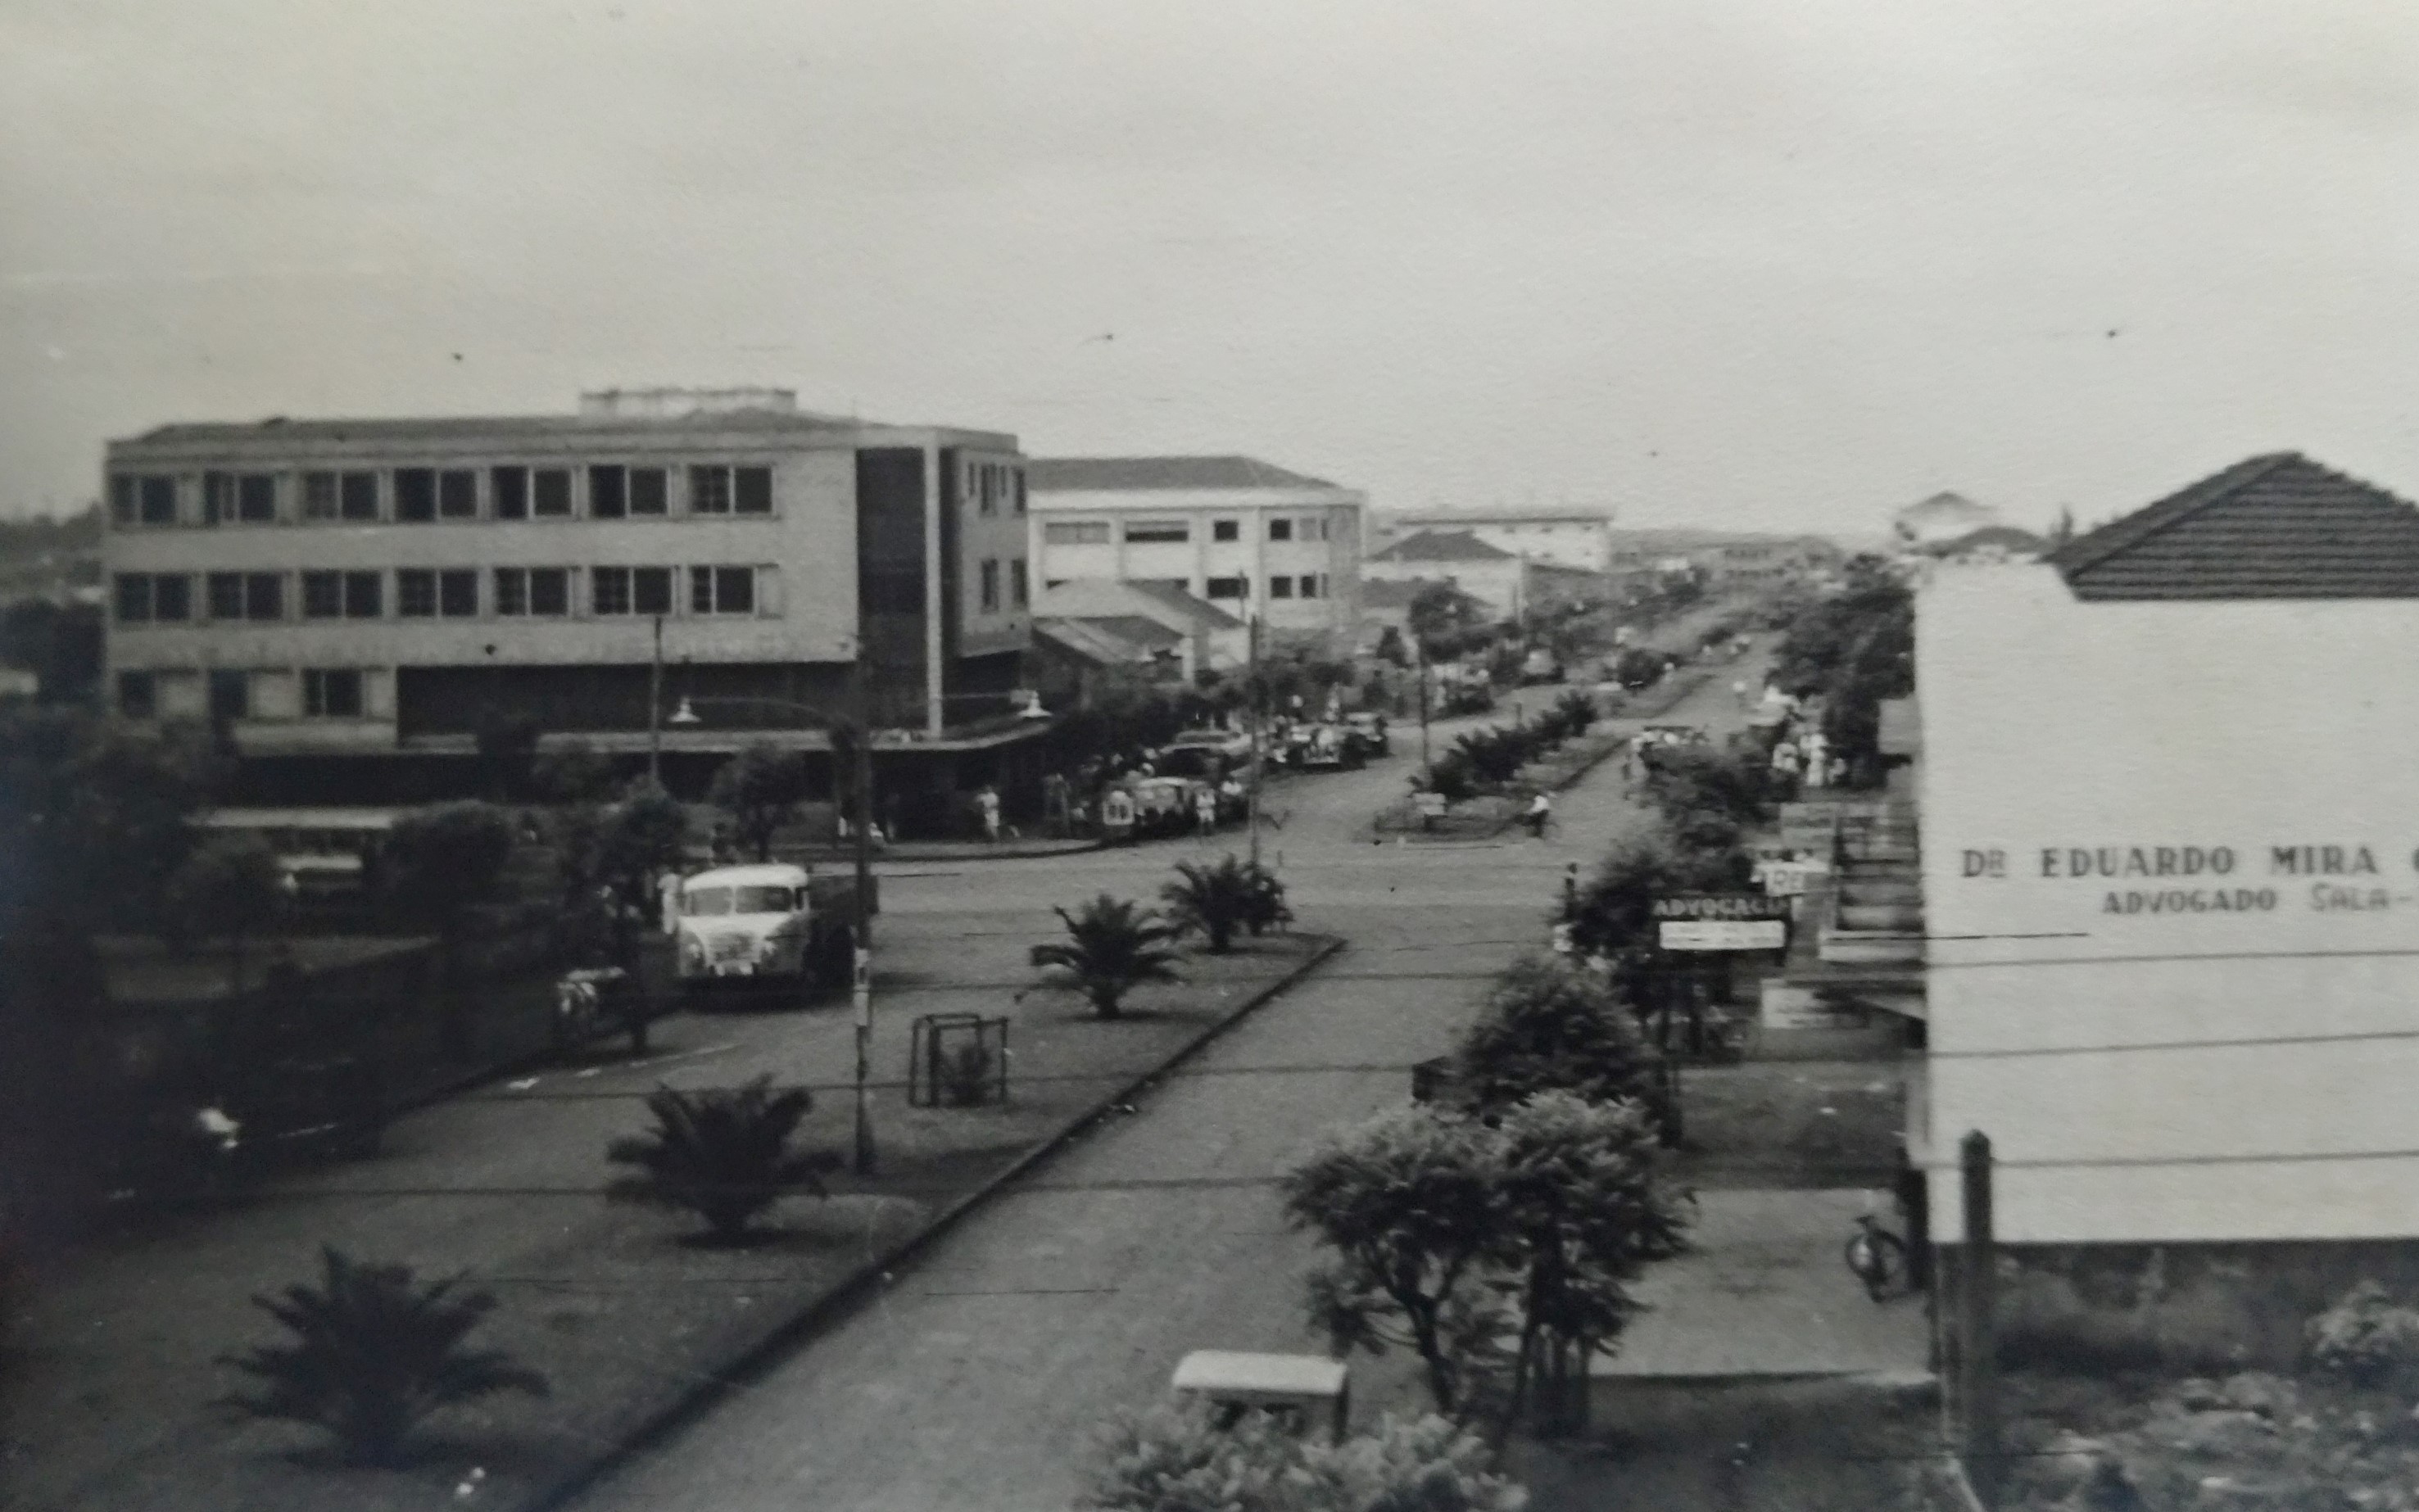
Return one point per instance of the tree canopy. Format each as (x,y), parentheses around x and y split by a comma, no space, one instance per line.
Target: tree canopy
(760,789)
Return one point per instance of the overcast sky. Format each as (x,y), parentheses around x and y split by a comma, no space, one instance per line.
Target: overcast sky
(1761,264)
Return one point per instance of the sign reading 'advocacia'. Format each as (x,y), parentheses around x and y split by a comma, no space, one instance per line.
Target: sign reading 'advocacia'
(2213,879)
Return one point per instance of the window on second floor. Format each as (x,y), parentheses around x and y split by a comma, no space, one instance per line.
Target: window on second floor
(458,494)
(608,492)
(651,491)
(1281,530)
(722,590)
(1281,587)
(415,593)
(245,596)
(630,590)
(1076,532)
(1148,530)
(990,601)
(536,591)
(142,498)
(146,597)
(1225,530)
(1217,588)
(1020,588)
(415,494)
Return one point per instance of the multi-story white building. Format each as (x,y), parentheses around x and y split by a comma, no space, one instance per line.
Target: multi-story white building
(1562,539)
(1251,539)
(376,589)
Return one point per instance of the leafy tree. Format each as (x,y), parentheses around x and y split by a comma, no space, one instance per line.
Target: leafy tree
(436,864)
(59,643)
(1390,648)
(576,773)
(1447,621)
(373,1354)
(1853,651)
(646,833)
(1574,711)
(1585,1211)
(1493,755)
(1185,1457)
(760,789)
(1686,782)
(1551,1026)
(722,1153)
(230,889)
(94,814)
(1411,1204)
(1638,667)
(1113,946)
(1212,900)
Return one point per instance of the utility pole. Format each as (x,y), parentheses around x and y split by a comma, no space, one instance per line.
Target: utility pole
(861,931)
(1977,1341)
(1423,653)
(655,710)
(1252,693)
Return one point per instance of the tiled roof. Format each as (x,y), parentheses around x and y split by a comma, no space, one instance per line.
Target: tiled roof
(1121,474)
(1097,598)
(1109,643)
(1393,593)
(2272,526)
(1438,546)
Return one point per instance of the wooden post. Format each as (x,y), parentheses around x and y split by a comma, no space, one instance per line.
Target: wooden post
(1978,1322)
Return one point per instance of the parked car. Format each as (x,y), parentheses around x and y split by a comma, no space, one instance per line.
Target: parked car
(1371,727)
(1330,748)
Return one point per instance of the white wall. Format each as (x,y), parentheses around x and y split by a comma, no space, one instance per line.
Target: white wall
(2213,740)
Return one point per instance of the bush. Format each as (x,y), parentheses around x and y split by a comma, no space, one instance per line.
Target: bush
(1576,712)
(1212,900)
(1493,756)
(722,1153)
(2366,1339)
(1111,947)
(1268,903)
(1182,1458)
(1550,1026)
(1450,778)
(373,1355)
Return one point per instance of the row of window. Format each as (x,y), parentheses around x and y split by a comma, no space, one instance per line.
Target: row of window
(991,484)
(326,693)
(442,592)
(426,495)
(1306,585)
(1176,532)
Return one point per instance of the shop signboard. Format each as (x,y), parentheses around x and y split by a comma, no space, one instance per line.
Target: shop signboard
(1721,922)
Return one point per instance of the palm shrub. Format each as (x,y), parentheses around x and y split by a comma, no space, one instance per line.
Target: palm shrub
(1576,712)
(1113,946)
(1450,778)
(722,1152)
(1493,755)
(373,1354)
(1186,1457)
(1268,902)
(1211,899)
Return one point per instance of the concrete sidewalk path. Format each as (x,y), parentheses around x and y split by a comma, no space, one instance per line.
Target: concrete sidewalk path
(1766,1291)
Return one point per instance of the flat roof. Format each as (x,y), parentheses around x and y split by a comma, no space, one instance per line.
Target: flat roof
(1274,1374)
(1125,474)
(770,425)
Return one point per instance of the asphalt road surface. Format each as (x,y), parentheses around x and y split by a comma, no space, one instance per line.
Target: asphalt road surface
(978,1381)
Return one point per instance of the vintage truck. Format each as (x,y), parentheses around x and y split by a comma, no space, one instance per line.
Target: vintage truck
(763,930)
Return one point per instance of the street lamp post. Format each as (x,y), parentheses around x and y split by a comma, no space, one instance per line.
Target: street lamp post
(1252,692)
(655,710)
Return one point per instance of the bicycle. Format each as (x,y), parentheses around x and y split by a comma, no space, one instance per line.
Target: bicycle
(1877,1258)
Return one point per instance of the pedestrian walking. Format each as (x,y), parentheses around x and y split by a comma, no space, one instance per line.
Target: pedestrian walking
(987,801)
(668,900)
(1541,812)
(1205,809)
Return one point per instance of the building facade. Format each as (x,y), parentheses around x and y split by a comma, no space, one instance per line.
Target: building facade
(382,588)
(1578,540)
(1494,577)
(2169,861)
(1255,540)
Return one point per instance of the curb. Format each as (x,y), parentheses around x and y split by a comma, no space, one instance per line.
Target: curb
(821,1312)
(969,851)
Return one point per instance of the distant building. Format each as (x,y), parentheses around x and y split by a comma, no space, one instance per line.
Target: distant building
(1944,516)
(359,596)
(1992,542)
(1577,539)
(1251,539)
(1494,577)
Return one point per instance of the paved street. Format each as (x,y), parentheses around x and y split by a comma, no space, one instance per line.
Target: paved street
(976,1381)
